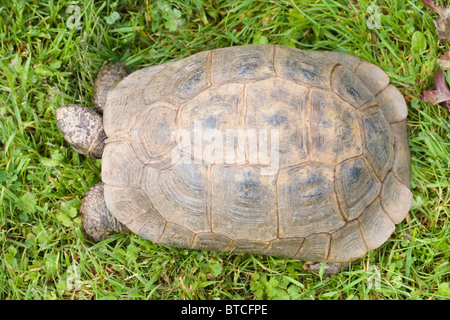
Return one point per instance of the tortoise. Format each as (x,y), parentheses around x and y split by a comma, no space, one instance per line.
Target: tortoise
(263,149)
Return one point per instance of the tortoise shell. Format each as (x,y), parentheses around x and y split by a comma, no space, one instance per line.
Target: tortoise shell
(262,149)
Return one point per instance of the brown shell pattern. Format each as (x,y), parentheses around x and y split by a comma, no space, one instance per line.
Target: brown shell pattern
(332,122)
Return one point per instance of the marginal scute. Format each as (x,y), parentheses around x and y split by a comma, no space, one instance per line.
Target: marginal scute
(347,60)
(402,155)
(149,225)
(177,236)
(396,198)
(242,64)
(249,246)
(315,247)
(243,200)
(108,77)
(180,81)
(284,247)
(126,204)
(372,77)
(375,225)
(356,186)
(348,86)
(307,203)
(393,104)
(334,129)
(212,241)
(347,244)
(136,80)
(312,68)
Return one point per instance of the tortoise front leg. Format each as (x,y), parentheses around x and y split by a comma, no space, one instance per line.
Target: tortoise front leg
(98,223)
(108,76)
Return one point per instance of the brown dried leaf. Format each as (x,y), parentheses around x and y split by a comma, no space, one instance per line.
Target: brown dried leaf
(441,93)
(444,61)
(443,24)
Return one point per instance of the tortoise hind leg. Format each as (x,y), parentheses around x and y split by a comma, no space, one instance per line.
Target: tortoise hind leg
(98,222)
(329,269)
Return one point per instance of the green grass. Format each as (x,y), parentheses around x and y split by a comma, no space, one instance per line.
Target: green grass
(49,57)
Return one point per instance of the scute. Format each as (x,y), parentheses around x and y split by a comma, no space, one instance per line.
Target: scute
(396,198)
(121,107)
(243,200)
(402,153)
(242,64)
(356,186)
(315,247)
(347,243)
(349,61)
(393,104)
(133,208)
(120,166)
(307,202)
(335,132)
(349,87)
(378,141)
(212,241)
(311,68)
(375,225)
(181,80)
(250,246)
(204,123)
(215,109)
(180,194)
(276,104)
(152,134)
(177,236)
(284,247)
(372,77)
